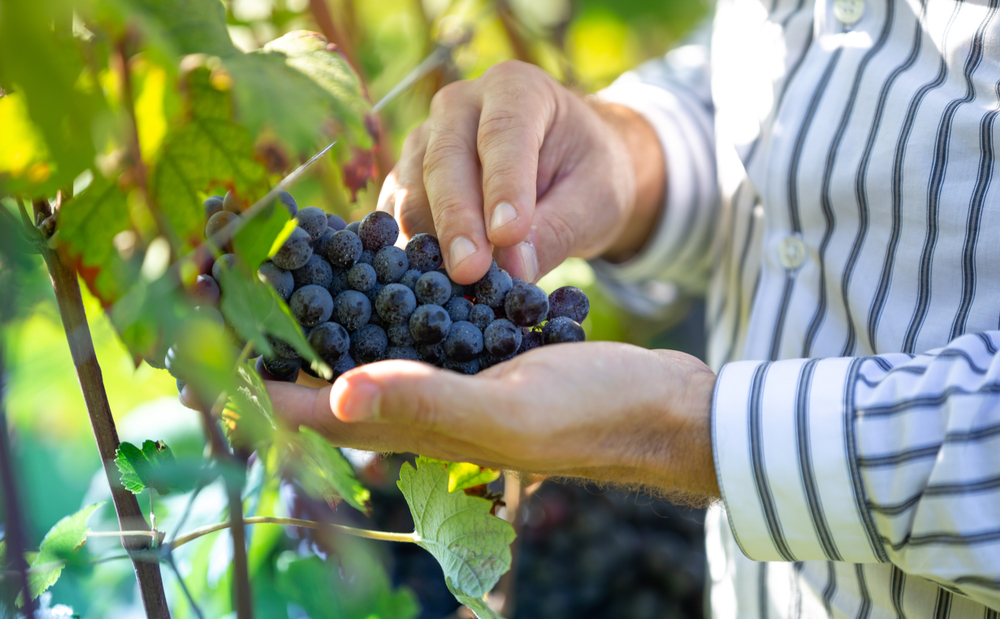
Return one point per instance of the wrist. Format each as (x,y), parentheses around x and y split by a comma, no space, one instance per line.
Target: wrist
(646,163)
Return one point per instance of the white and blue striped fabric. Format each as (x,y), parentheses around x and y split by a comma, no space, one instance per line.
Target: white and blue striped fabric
(830,187)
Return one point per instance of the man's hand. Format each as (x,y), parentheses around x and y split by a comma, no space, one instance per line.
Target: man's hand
(516,161)
(600,410)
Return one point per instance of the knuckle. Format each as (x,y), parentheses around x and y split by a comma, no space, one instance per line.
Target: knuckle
(445,99)
(441,150)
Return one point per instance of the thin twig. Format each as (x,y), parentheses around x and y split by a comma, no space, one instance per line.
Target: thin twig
(16,537)
(384,536)
(180,579)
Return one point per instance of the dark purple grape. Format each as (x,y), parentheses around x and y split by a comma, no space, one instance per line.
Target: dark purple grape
(352,310)
(342,367)
(281,280)
(470,367)
(395,303)
(295,251)
(286,198)
(367,257)
(390,263)
(281,369)
(330,341)
(311,305)
(361,277)
(378,229)
(432,353)
(429,324)
(225,262)
(493,287)
(502,338)
(320,244)
(569,301)
(459,290)
(458,308)
(210,315)
(407,353)
(368,344)
(516,281)
(372,294)
(259,366)
(399,334)
(409,279)
(313,220)
(464,341)
(481,316)
(343,249)
(424,253)
(562,329)
(205,290)
(353,226)
(282,348)
(213,205)
(530,341)
(338,281)
(219,221)
(316,272)
(526,305)
(336,222)
(433,288)
(232,203)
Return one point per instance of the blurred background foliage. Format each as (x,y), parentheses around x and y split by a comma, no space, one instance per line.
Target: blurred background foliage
(583,43)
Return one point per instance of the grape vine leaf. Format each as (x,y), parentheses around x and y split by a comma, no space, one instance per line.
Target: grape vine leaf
(58,545)
(208,150)
(255,310)
(255,241)
(142,468)
(462,475)
(324,472)
(250,410)
(86,230)
(472,546)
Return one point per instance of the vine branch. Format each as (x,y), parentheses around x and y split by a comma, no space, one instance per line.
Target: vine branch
(81,347)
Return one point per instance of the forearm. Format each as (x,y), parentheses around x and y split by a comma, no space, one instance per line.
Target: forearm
(649,169)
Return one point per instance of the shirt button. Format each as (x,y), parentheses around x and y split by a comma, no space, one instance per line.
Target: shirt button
(791,252)
(848,11)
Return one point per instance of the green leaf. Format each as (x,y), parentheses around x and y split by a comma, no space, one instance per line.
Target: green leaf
(476,605)
(255,310)
(462,475)
(353,586)
(207,151)
(58,546)
(324,472)
(252,406)
(141,469)
(254,242)
(87,226)
(472,546)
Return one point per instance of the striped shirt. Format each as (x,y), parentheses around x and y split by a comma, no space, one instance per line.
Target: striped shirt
(830,187)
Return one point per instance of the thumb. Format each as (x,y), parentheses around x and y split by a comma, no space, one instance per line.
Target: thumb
(413,394)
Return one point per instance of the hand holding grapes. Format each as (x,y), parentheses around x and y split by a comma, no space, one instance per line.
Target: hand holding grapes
(516,161)
(599,410)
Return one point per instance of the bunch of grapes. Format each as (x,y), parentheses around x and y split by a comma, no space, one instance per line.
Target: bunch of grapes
(360,299)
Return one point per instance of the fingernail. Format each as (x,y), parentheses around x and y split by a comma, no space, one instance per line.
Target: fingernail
(461,248)
(503,214)
(530,260)
(363,402)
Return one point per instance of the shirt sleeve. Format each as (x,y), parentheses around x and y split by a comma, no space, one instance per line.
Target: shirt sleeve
(673,94)
(892,458)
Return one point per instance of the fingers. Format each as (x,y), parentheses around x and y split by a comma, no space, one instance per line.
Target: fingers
(409,198)
(452,180)
(517,109)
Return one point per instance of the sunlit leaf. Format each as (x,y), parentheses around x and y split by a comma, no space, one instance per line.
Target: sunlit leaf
(324,472)
(254,242)
(207,151)
(462,475)
(59,545)
(472,546)
(24,159)
(86,231)
(250,410)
